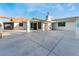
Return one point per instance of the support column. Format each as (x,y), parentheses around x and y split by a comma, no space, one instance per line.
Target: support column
(46,26)
(28,26)
(43,26)
(49,26)
(37,25)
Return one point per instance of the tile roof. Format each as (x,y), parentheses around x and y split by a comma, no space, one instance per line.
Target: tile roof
(19,19)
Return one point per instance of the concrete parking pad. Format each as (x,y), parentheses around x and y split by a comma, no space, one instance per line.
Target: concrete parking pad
(21,46)
(69,46)
(51,43)
(45,39)
(51,54)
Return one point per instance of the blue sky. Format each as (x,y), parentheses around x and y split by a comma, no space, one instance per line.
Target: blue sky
(39,10)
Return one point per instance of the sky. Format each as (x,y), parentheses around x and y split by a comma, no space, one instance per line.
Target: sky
(39,10)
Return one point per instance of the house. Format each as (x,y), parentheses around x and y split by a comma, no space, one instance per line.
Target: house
(69,23)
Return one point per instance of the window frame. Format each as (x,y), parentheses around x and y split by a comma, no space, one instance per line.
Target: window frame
(21,24)
(61,24)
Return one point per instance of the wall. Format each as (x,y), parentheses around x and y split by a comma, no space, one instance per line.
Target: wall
(77,28)
(17,27)
(2,27)
(68,26)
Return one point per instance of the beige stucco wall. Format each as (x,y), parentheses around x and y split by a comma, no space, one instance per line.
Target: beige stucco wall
(17,27)
(68,26)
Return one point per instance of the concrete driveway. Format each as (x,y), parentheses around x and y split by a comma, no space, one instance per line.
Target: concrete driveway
(52,43)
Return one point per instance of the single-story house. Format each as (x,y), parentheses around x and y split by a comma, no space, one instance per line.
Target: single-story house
(69,23)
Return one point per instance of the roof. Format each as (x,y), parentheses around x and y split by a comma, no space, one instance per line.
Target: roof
(68,19)
(19,19)
(39,20)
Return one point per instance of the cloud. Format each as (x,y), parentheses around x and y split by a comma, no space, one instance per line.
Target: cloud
(32,7)
(41,8)
(71,7)
(59,7)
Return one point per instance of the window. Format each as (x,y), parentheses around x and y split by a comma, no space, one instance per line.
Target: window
(61,23)
(20,24)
